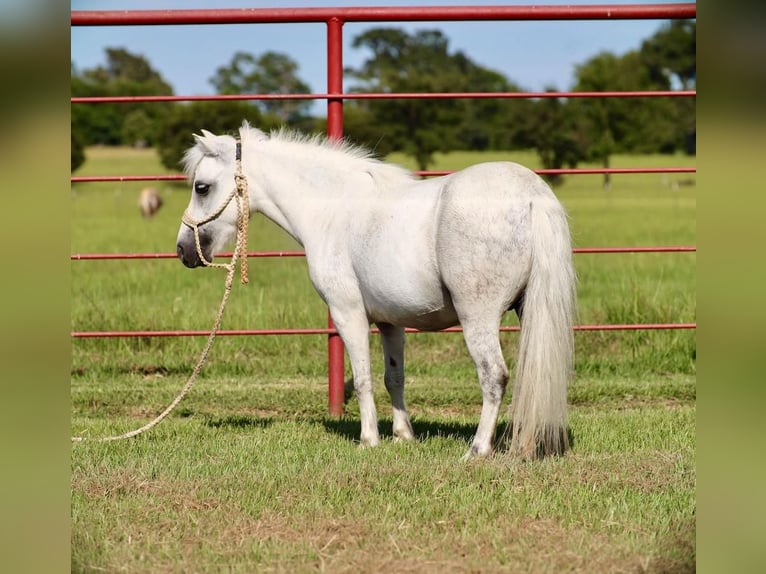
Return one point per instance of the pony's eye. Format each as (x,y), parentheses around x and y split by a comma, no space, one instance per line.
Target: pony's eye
(201,188)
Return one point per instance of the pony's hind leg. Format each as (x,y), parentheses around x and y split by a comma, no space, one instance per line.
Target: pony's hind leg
(483,344)
(393,354)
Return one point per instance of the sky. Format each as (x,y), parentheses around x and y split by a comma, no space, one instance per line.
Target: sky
(534,55)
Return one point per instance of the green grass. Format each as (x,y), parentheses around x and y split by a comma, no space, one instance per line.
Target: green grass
(250,474)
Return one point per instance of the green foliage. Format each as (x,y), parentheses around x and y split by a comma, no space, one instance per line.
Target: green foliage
(671,59)
(564,133)
(95,123)
(490,123)
(423,63)
(639,125)
(77,149)
(671,54)
(270,73)
(138,129)
(614,125)
(125,74)
(556,133)
(360,127)
(568,132)
(403,63)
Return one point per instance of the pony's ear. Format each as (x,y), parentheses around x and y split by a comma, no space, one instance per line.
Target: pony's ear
(202,143)
(212,144)
(205,141)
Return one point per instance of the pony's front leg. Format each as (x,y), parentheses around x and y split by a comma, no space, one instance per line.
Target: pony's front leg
(392,339)
(355,332)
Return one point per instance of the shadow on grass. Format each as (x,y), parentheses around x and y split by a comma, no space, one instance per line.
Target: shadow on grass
(349,428)
(239,422)
(427,429)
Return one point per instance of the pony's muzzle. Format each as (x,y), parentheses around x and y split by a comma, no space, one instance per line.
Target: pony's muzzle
(187,252)
(189,259)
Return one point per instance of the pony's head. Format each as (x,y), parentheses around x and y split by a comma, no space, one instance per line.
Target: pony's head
(210,165)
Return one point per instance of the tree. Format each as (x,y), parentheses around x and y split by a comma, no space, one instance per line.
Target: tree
(556,132)
(671,54)
(135,128)
(603,116)
(490,123)
(360,127)
(423,63)
(269,73)
(403,63)
(671,58)
(124,74)
(77,150)
(612,125)
(176,129)
(122,66)
(94,123)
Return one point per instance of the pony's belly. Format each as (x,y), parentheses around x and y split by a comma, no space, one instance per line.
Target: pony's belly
(433,321)
(430,313)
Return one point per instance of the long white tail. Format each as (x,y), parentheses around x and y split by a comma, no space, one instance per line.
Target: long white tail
(546,344)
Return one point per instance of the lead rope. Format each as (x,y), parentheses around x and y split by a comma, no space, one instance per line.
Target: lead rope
(240,253)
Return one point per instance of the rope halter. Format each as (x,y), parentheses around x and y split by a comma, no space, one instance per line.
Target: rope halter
(243,217)
(240,251)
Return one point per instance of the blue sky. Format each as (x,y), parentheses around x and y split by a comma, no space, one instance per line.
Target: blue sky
(532,54)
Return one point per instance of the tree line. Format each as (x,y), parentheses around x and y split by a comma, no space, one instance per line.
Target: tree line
(563,131)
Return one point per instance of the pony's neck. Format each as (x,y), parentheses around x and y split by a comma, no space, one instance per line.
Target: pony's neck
(298,184)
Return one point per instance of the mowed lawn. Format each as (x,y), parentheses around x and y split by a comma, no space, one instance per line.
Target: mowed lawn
(250,474)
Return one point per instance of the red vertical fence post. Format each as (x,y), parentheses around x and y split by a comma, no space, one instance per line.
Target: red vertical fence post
(335,130)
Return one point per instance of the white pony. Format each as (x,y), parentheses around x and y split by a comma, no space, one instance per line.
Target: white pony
(387,248)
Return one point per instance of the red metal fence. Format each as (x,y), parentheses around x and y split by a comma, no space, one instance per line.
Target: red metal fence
(335,18)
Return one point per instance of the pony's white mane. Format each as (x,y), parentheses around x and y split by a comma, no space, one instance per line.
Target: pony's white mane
(192,157)
(288,136)
(340,151)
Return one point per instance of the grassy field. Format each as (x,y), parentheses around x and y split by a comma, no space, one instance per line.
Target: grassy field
(250,474)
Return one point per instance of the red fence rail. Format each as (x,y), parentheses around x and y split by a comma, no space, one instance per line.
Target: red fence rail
(122,256)
(561,171)
(382,14)
(385,96)
(330,331)
(334,18)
